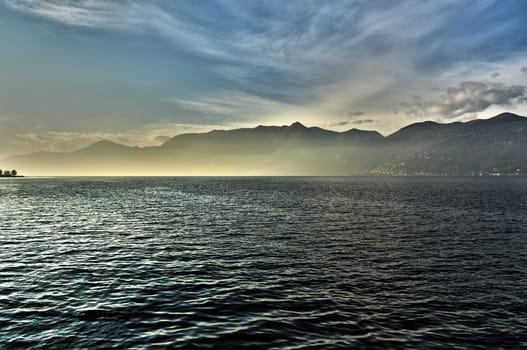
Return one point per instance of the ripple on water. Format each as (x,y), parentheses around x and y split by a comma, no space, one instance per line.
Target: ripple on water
(263,262)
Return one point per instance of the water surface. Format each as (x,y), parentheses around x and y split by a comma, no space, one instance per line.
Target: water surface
(269,262)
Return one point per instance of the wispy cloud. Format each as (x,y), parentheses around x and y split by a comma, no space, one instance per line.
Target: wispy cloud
(84,13)
(293,38)
(126,15)
(363,121)
(229,103)
(343,123)
(356,114)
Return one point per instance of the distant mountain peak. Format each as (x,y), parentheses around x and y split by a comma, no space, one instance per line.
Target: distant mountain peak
(507,117)
(360,131)
(103,145)
(297,125)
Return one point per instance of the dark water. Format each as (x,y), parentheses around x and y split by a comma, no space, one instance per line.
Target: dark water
(267,262)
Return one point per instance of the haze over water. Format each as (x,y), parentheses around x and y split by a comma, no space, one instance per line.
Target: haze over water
(268,262)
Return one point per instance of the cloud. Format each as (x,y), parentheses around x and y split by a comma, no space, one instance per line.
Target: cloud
(83,13)
(363,121)
(286,38)
(349,122)
(126,15)
(228,103)
(355,114)
(468,97)
(340,123)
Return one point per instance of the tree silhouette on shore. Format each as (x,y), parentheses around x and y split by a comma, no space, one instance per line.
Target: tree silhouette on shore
(7,173)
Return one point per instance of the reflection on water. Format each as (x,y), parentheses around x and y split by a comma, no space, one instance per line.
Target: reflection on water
(269,262)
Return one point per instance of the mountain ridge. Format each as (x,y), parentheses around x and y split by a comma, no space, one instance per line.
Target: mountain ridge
(486,146)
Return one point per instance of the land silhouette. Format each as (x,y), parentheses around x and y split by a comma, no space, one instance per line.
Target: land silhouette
(496,146)
(9,173)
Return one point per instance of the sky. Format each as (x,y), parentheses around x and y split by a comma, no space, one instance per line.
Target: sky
(138,72)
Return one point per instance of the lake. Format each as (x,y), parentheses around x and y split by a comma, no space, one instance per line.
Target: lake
(291,263)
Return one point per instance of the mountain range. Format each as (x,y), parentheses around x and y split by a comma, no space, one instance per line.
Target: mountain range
(496,146)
